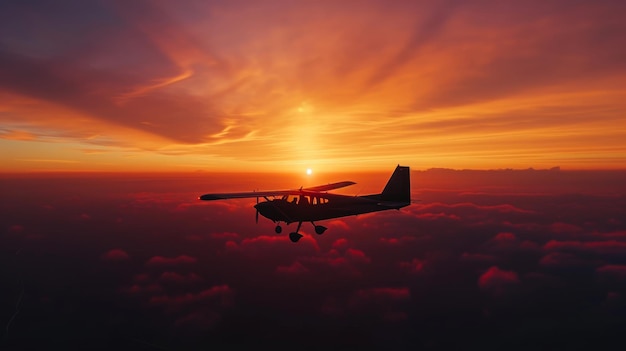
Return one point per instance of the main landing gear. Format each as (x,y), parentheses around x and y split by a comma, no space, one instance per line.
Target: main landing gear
(295,236)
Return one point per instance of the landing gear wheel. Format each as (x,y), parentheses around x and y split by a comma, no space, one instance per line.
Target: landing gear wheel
(278,229)
(294,237)
(320,229)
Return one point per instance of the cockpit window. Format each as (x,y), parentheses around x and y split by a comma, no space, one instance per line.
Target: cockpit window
(305,199)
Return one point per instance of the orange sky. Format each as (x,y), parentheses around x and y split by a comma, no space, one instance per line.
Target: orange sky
(290,85)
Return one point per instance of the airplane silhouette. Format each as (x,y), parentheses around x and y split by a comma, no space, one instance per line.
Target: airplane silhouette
(315,203)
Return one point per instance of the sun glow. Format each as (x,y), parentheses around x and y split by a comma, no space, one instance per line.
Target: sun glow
(309,171)
(257,99)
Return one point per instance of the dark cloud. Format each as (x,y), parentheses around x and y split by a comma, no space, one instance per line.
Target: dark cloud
(477,257)
(173,277)
(158,261)
(225,235)
(294,268)
(139,289)
(414,266)
(562,260)
(221,293)
(609,247)
(613,270)
(115,255)
(267,245)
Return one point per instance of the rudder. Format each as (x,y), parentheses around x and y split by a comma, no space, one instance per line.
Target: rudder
(398,187)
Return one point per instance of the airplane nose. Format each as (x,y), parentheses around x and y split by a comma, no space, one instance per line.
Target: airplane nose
(264,208)
(261,206)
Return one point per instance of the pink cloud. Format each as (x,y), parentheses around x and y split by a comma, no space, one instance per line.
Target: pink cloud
(231,245)
(395,241)
(613,270)
(335,262)
(340,244)
(438,207)
(496,280)
(505,237)
(347,262)
(436,216)
(599,247)
(338,224)
(115,255)
(173,277)
(414,266)
(16,229)
(270,244)
(295,268)
(350,257)
(166,261)
(562,259)
(357,256)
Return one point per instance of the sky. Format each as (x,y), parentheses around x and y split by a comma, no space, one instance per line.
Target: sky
(116,115)
(260,86)
(487,260)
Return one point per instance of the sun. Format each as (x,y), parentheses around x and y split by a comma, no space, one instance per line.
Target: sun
(309,171)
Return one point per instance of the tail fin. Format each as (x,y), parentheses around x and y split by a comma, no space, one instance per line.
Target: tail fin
(398,187)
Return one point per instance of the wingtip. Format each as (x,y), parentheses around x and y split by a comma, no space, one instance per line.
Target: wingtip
(208,197)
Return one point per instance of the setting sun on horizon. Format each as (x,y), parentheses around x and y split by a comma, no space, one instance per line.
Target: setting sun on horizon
(221,86)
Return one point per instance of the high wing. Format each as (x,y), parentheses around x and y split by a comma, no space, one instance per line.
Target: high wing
(331,186)
(320,188)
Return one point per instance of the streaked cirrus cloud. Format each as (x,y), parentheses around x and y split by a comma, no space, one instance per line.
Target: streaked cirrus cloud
(352,84)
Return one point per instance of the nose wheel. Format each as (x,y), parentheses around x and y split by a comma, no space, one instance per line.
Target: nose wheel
(319,229)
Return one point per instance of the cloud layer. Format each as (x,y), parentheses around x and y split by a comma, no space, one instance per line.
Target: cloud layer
(506,262)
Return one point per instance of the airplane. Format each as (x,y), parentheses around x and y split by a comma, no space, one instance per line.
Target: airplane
(316,203)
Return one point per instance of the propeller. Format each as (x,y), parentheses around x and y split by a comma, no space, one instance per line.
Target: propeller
(256,217)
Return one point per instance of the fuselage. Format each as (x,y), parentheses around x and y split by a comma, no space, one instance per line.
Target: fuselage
(315,207)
